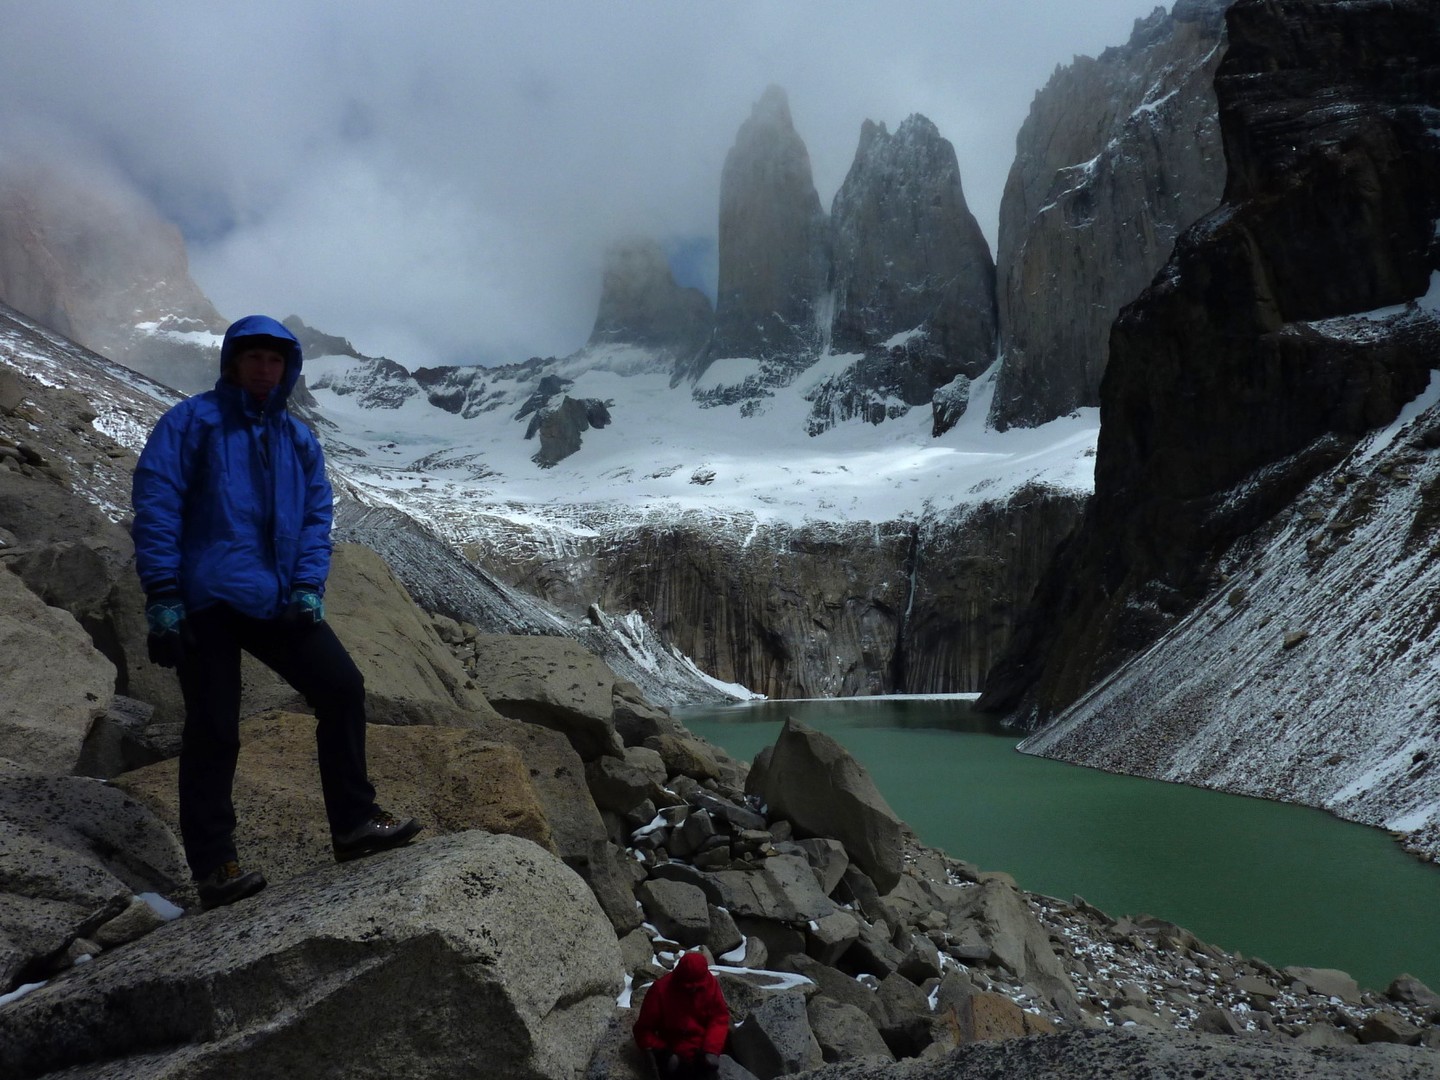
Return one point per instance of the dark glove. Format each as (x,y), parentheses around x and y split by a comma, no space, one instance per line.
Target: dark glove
(672,1065)
(305,609)
(170,635)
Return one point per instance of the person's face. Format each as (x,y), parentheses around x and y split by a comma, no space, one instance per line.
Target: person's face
(259,371)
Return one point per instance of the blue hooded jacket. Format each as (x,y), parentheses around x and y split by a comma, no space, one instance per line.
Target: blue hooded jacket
(231,501)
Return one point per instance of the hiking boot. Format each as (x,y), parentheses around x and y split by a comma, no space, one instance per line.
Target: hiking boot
(228,883)
(379,832)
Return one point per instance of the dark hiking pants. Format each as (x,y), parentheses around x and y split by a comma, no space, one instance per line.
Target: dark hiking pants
(312,660)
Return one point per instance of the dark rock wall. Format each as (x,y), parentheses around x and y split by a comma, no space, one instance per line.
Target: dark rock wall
(1119,155)
(773,239)
(920,607)
(1221,400)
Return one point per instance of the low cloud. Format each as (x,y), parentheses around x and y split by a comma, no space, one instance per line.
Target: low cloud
(439,182)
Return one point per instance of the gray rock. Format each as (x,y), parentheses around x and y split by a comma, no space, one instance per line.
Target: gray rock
(685,756)
(648,761)
(826,857)
(815,783)
(72,852)
(617,785)
(833,983)
(411,677)
(1217,1021)
(635,950)
(921,960)
(776,938)
(678,910)
(552,682)
(1386,1027)
(830,936)
(1100,187)
(693,835)
(775,1039)
(782,888)
(724,935)
(1004,921)
(635,718)
(1326,982)
(872,952)
(1322,1034)
(905,1021)
(472,934)
(844,1032)
(1103,1055)
(44,719)
(1411,991)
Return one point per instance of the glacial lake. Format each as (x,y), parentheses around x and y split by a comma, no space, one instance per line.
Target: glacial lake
(1288,884)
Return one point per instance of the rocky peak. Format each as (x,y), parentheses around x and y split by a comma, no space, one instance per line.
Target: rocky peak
(909,259)
(908,252)
(1118,156)
(84,255)
(773,256)
(641,304)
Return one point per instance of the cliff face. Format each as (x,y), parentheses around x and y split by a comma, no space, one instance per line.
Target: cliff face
(100,266)
(1231,385)
(773,240)
(826,609)
(1118,156)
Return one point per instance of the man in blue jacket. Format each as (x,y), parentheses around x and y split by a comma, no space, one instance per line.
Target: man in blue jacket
(232,543)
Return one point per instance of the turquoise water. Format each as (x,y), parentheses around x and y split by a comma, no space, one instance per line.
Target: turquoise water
(1288,884)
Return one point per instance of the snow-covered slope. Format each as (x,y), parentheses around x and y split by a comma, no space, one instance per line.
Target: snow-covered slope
(665,453)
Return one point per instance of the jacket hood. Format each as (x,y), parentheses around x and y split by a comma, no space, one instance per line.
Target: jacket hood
(277,337)
(692,969)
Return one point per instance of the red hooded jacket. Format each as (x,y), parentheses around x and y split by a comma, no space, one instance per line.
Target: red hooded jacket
(684,1012)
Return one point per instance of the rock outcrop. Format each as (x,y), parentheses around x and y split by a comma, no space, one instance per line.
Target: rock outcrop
(641,304)
(87,256)
(912,275)
(1228,391)
(408,965)
(773,242)
(1118,156)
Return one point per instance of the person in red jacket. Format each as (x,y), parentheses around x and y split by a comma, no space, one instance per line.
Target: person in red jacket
(684,1021)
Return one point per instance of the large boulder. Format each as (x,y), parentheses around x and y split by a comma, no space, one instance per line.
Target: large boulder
(73,852)
(1017,940)
(411,677)
(816,784)
(451,779)
(553,682)
(44,719)
(468,955)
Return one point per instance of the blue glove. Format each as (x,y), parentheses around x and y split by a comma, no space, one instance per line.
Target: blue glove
(170,636)
(305,609)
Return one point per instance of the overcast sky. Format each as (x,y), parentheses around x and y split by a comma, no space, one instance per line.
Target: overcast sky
(438,180)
